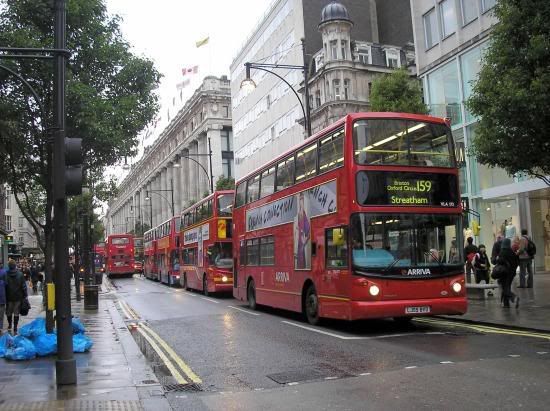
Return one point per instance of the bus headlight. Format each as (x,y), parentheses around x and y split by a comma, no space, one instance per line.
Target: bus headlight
(224,278)
(457,287)
(374,290)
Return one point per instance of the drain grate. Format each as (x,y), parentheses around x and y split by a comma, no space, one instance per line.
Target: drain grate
(182,387)
(297,375)
(149,382)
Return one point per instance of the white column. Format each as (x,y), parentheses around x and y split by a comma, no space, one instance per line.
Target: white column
(203,159)
(163,194)
(176,175)
(193,172)
(185,179)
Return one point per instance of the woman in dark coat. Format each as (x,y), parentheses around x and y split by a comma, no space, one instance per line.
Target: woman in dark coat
(509,259)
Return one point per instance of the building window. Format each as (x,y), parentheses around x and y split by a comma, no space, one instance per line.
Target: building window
(392,58)
(227,167)
(344,46)
(7,222)
(444,93)
(487,5)
(268,100)
(21,240)
(8,199)
(346,89)
(21,222)
(469,10)
(334,49)
(225,111)
(430,28)
(227,140)
(448,20)
(363,55)
(318,98)
(369,88)
(336,87)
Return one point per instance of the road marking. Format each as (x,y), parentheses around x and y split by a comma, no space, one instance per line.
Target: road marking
(242,310)
(484,328)
(178,377)
(542,352)
(210,299)
(293,383)
(331,378)
(183,366)
(344,337)
(125,311)
(514,355)
(365,373)
(446,362)
(410,367)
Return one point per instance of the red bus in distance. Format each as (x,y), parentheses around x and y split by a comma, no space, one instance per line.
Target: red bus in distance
(363,215)
(150,270)
(119,255)
(207,248)
(99,257)
(168,250)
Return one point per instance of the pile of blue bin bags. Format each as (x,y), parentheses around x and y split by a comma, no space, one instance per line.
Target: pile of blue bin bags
(33,341)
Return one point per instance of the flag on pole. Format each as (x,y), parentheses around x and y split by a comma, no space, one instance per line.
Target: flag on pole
(202,42)
(189,70)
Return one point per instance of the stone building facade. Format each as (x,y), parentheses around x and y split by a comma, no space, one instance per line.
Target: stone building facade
(177,163)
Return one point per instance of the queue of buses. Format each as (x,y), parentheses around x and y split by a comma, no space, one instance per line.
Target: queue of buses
(361,220)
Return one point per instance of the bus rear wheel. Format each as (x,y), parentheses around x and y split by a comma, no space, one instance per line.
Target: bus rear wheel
(251,295)
(311,306)
(205,285)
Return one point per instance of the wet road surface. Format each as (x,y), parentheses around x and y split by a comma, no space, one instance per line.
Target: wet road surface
(271,359)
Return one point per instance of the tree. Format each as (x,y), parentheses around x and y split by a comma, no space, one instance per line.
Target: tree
(512,94)
(109,94)
(225,183)
(397,92)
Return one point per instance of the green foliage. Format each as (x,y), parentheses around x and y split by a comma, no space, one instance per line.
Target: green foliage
(512,94)
(140,228)
(110,96)
(397,92)
(225,183)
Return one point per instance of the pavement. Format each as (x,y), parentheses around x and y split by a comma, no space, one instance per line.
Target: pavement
(114,375)
(533,312)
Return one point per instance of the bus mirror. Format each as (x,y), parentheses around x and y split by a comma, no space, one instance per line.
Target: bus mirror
(338,236)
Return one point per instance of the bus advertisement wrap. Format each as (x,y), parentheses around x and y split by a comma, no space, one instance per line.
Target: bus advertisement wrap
(319,200)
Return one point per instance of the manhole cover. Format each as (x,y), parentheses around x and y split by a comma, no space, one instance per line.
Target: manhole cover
(298,375)
(182,387)
(149,382)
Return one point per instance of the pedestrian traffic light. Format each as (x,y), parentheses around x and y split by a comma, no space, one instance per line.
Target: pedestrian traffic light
(73,170)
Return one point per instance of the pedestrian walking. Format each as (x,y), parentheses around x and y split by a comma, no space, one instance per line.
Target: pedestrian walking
(2,297)
(510,261)
(470,252)
(526,253)
(16,292)
(34,278)
(481,265)
(496,249)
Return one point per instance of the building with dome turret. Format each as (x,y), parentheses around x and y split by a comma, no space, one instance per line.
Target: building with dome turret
(348,43)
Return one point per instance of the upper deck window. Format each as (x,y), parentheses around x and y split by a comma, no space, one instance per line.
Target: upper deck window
(225,205)
(120,241)
(402,142)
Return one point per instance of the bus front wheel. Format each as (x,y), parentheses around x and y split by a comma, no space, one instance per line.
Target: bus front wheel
(205,285)
(311,306)
(251,295)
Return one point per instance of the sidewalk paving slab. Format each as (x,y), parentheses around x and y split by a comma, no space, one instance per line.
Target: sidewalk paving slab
(114,375)
(533,312)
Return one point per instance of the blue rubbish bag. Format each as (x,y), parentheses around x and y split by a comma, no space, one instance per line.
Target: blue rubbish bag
(22,349)
(78,327)
(5,342)
(45,344)
(81,343)
(33,329)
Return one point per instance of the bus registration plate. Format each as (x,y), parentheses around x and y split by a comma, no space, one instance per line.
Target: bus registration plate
(418,310)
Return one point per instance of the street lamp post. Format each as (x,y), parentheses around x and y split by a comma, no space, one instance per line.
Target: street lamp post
(158,192)
(209,176)
(139,213)
(249,84)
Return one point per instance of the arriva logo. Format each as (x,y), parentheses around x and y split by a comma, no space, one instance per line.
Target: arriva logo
(419,271)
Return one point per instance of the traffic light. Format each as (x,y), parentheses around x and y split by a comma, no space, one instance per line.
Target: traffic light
(73,171)
(8,239)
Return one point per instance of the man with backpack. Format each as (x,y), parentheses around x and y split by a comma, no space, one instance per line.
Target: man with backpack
(526,253)
(16,292)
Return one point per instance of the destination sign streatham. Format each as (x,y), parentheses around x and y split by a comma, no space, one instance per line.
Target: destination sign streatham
(407,189)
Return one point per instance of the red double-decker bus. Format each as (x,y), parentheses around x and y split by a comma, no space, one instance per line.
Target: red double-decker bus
(207,248)
(168,251)
(119,255)
(363,215)
(99,257)
(149,255)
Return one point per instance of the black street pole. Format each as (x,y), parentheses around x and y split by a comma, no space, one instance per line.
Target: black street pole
(211,175)
(151,214)
(306,88)
(172,193)
(77,259)
(65,365)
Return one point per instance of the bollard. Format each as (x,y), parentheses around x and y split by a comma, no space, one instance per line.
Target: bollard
(91,297)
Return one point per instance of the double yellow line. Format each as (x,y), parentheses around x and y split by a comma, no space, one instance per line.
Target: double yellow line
(182,373)
(484,328)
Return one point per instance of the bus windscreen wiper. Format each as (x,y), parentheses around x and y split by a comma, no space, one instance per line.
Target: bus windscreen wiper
(392,264)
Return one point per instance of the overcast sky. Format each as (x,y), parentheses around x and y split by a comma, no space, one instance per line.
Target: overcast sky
(166,31)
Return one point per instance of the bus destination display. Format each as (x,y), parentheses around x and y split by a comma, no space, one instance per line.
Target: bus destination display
(406,189)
